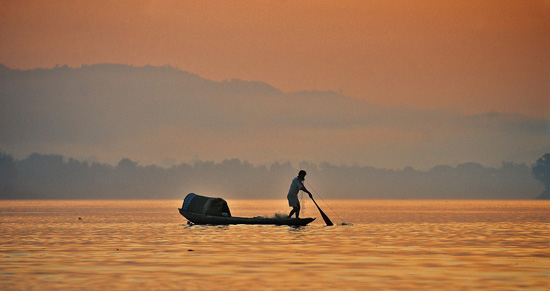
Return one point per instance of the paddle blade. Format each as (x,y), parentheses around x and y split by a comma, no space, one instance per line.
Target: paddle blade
(325,217)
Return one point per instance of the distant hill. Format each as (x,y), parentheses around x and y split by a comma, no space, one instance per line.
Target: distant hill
(150,114)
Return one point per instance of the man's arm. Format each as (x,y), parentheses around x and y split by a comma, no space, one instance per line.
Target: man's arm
(305,190)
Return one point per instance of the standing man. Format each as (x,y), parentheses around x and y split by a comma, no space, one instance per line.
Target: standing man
(295,187)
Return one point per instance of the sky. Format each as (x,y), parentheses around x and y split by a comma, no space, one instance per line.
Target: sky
(425,68)
(467,56)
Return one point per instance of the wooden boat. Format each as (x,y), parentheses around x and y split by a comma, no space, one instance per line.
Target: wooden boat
(215,211)
(221,220)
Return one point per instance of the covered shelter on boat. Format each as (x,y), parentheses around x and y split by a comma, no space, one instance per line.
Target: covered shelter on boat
(205,205)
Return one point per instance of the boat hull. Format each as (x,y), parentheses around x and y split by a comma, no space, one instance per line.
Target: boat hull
(221,220)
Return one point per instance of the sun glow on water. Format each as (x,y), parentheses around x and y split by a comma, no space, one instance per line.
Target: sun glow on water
(147,245)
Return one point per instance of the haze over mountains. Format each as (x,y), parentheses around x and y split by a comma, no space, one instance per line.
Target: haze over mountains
(165,116)
(117,131)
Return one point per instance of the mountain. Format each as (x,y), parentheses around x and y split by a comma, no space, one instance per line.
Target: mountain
(150,114)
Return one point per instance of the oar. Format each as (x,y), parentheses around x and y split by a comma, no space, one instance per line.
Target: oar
(325,217)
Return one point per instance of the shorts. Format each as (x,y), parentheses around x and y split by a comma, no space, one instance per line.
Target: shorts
(293,201)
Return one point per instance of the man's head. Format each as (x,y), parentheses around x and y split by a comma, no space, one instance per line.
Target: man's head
(302,175)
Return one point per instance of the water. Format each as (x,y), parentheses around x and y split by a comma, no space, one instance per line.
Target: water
(146,245)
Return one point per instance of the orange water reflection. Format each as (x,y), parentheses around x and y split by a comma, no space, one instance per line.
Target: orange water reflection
(145,245)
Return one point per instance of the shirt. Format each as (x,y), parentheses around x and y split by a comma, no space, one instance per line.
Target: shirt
(295,187)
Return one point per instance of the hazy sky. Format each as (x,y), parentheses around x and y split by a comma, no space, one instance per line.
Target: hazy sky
(467,56)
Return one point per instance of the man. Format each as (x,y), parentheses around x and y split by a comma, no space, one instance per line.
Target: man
(295,187)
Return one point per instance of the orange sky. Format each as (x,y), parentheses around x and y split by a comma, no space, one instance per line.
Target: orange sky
(469,56)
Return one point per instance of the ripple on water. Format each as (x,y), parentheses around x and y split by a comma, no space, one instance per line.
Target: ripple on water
(391,245)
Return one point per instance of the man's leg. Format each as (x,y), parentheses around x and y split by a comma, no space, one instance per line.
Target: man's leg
(295,209)
(291,212)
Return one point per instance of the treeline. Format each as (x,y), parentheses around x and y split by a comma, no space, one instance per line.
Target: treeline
(42,176)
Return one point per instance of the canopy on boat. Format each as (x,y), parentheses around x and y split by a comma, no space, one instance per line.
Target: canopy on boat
(205,205)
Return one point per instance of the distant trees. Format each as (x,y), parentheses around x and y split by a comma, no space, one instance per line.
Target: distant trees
(8,175)
(42,176)
(541,172)
(465,181)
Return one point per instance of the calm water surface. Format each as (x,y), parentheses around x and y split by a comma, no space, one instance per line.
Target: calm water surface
(147,245)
